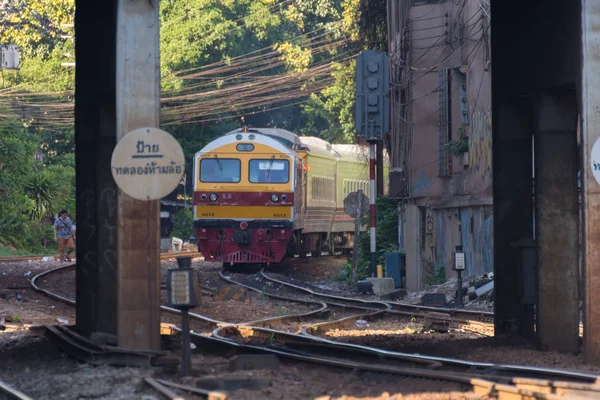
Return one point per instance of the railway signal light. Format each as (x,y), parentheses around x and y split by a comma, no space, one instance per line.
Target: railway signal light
(372,117)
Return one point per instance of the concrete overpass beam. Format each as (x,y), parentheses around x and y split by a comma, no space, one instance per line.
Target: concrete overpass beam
(557,221)
(95,123)
(513,211)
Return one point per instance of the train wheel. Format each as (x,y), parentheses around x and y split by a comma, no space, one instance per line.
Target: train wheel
(292,247)
(227,266)
(318,252)
(301,246)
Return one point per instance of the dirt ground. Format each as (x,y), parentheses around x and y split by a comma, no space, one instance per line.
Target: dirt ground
(19,304)
(37,367)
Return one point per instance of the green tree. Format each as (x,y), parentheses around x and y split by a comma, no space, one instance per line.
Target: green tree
(386,235)
(330,114)
(183,224)
(34,25)
(17,149)
(211,47)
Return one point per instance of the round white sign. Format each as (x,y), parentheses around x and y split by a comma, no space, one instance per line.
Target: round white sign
(147,164)
(595,160)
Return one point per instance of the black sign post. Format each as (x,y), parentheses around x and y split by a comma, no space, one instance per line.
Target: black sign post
(184,293)
(459,266)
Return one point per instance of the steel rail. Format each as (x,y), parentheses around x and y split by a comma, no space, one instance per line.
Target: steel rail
(478,327)
(526,388)
(364,303)
(498,367)
(501,367)
(12,394)
(163,256)
(506,368)
(168,256)
(390,304)
(168,393)
(516,387)
(294,344)
(48,293)
(23,258)
(266,321)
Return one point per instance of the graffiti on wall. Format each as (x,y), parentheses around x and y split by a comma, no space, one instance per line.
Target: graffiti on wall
(480,141)
(428,245)
(471,227)
(421,184)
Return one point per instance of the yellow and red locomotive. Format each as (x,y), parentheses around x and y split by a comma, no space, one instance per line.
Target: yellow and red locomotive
(262,193)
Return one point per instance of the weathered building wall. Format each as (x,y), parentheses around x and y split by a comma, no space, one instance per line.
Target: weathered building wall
(441,81)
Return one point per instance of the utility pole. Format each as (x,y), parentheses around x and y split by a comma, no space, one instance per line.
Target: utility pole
(138,105)
(380,163)
(372,119)
(68,55)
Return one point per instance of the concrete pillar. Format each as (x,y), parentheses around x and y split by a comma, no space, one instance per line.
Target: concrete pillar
(557,221)
(95,123)
(513,207)
(412,228)
(590,133)
(138,106)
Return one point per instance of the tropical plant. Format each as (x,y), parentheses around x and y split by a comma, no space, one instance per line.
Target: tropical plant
(11,229)
(44,189)
(460,146)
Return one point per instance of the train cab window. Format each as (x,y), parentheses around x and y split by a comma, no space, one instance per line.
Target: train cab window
(220,170)
(269,171)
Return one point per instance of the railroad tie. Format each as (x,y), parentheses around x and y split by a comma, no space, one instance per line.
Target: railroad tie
(233,293)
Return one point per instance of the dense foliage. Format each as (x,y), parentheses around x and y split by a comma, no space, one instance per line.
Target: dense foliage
(183,224)
(386,236)
(224,64)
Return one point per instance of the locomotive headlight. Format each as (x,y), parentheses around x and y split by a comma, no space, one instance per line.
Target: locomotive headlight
(283,197)
(203,196)
(274,198)
(213,197)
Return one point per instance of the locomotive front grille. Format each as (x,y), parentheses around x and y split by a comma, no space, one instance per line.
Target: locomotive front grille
(244,256)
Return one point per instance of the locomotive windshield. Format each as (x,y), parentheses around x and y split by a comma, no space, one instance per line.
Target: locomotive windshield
(269,171)
(220,170)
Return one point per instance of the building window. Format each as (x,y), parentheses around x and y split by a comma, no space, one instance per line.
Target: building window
(444,121)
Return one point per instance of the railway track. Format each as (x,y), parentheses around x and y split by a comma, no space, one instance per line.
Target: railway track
(9,393)
(519,382)
(163,256)
(472,321)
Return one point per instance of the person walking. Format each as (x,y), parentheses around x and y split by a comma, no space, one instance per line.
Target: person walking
(64,234)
